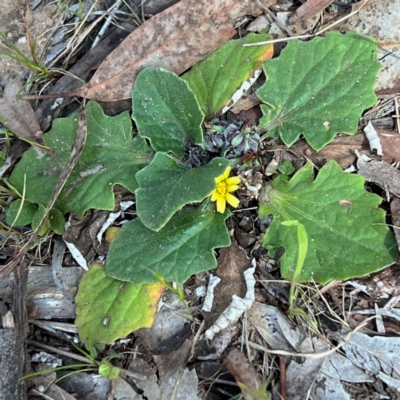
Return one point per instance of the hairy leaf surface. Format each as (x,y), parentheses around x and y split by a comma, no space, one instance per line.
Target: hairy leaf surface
(166,186)
(166,111)
(185,246)
(216,78)
(347,233)
(319,88)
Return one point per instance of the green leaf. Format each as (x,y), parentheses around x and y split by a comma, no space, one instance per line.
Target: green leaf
(347,234)
(166,186)
(42,169)
(57,221)
(319,88)
(185,246)
(37,218)
(109,157)
(108,309)
(107,370)
(25,214)
(216,78)
(166,111)
(286,168)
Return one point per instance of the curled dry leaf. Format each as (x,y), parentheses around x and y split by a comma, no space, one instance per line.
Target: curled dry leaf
(308,10)
(174,39)
(18,115)
(245,374)
(232,263)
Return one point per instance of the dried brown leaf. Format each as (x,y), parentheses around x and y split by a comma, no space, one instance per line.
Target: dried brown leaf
(244,373)
(390,142)
(308,10)
(174,39)
(48,110)
(18,114)
(341,149)
(232,263)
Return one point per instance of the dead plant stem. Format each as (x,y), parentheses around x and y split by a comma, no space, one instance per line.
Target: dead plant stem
(309,35)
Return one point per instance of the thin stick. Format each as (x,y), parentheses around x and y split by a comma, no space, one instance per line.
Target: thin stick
(282,367)
(106,25)
(76,357)
(397,116)
(317,355)
(306,36)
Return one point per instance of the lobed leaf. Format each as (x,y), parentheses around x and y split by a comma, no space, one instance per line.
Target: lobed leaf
(109,157)
(216,78)
(185,246)
(319,88)
(166,111)
(108,309)
(347,234)
(166,186)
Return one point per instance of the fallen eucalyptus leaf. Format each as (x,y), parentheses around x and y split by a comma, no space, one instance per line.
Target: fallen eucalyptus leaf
(18,115)
(174,39)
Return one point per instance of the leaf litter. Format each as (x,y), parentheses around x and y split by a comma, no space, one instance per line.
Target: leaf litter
(322,381)
(174,39)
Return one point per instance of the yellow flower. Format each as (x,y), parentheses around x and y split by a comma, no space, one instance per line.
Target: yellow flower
(222,193)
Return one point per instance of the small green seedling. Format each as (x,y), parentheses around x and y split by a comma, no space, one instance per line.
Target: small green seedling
(104,367)
(10,50)
(301,256)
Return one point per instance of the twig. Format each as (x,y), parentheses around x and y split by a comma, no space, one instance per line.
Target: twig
(76,357)
(309,35)
(99,36)
(282,367)
(314,356)
(397,116)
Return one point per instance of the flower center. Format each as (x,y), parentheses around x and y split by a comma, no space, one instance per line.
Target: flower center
(222,189)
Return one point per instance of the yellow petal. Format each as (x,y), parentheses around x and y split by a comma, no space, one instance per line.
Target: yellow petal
(235,180)
(221,204)
(232,200)
(232,188)
(227,172)
(219,179)
(214,195)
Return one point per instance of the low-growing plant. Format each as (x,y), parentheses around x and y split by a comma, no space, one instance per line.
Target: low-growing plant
(314,89)
(103,367)
(8,49)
